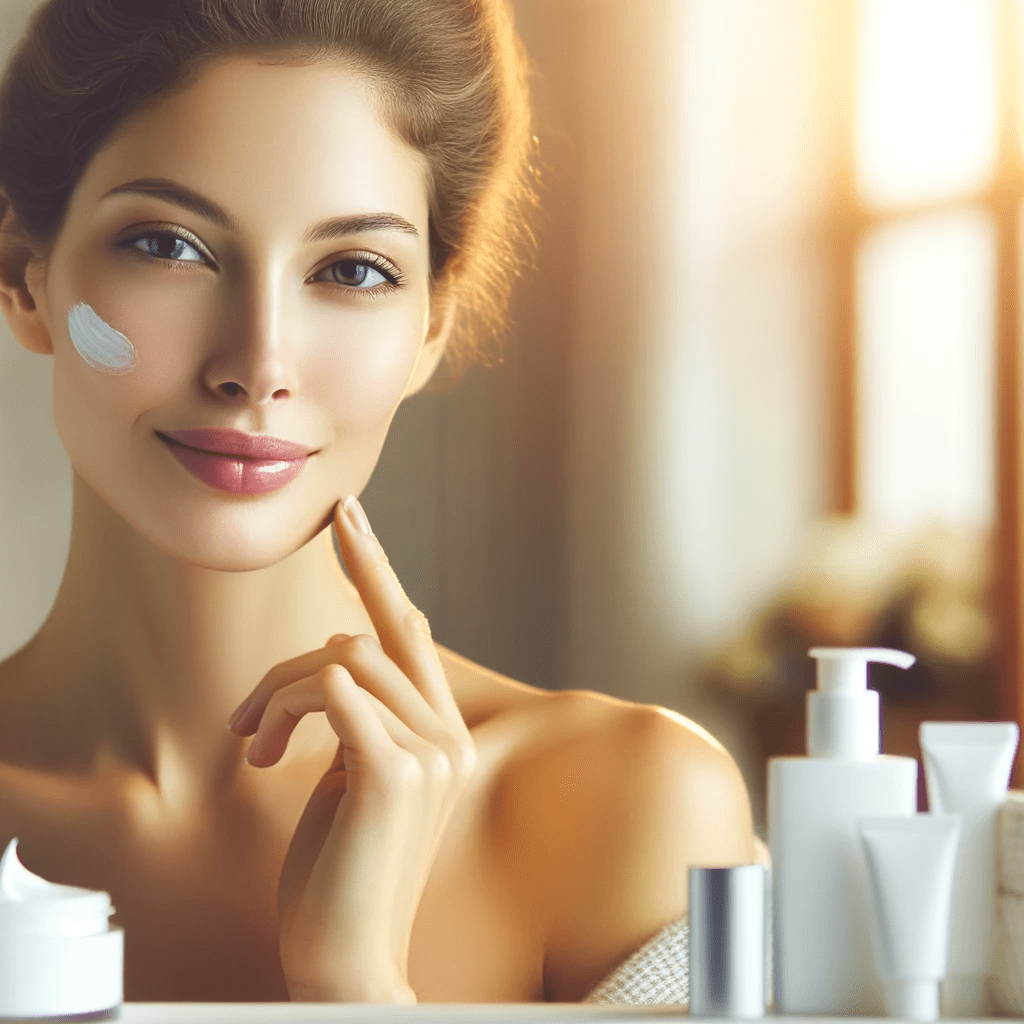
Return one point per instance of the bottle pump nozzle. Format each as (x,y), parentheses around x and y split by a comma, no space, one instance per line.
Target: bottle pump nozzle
(842,713)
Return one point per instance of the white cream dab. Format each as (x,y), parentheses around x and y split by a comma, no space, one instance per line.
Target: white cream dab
(102,347)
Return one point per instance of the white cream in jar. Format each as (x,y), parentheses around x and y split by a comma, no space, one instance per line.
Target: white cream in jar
(58,954)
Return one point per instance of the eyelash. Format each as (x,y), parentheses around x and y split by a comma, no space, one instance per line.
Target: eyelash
(394,279)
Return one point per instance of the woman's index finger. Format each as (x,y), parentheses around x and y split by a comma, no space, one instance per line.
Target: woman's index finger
(402,629)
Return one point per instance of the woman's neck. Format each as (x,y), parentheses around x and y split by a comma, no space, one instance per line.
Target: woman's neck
(143,657)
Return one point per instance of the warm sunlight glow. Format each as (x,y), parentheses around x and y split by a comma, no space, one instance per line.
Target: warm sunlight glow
(925,371)
(1017,72)
(926,98)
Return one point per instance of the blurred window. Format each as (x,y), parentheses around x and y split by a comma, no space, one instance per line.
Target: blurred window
(925,371)
(926,99)
(928,176)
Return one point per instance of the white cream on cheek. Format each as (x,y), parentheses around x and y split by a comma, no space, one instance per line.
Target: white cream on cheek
(102,347)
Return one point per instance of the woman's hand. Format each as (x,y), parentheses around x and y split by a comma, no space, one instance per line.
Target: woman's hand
(357,865)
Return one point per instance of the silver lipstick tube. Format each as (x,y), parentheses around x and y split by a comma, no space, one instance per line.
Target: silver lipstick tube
(728,941)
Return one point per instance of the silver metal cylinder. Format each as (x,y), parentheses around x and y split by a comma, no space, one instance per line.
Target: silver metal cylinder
(728,935)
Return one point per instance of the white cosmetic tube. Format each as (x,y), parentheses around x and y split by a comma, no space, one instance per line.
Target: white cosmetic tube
(967,768)
(911,860)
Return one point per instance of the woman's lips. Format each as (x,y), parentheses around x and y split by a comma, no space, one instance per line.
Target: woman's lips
(228,441)
(233,474)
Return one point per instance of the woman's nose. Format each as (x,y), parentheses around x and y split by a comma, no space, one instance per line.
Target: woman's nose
(256,360)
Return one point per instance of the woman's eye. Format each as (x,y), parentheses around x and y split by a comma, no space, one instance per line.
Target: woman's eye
(361,274)
(168,247)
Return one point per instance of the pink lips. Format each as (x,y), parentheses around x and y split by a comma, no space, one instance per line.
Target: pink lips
(222,441)
(236,462)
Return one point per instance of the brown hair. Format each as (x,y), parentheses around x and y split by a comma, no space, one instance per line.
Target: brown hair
(451,80)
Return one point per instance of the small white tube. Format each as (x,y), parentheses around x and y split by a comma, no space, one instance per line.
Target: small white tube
(967,769)
(911,860)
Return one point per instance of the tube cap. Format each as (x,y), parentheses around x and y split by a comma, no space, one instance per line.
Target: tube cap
(727,941)
(912,1000)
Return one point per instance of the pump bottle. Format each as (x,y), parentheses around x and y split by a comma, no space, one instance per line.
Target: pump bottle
(823,957)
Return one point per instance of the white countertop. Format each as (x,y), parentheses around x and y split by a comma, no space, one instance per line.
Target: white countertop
(428,1013)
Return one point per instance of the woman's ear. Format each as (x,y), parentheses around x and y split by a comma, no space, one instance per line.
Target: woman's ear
(22,278)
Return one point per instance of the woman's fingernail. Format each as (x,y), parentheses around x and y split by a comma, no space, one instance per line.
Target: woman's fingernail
(356,515)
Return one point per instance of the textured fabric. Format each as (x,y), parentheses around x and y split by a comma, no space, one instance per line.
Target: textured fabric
(658,972)
(1008,969)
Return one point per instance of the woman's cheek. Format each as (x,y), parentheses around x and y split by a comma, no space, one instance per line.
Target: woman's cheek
(93,375)
(361,382)
(140,360)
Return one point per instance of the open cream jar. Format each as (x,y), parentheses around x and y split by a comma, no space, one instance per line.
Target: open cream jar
(59,957)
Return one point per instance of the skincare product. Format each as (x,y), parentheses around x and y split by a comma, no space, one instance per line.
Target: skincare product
(58,955)
(910,862)
(967,769)
(728,929)
(824,963)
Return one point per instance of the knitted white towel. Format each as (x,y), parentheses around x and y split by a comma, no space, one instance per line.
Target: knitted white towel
(1008,969)
(658,972)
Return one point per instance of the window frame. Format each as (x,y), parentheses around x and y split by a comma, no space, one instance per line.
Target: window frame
(1003,197)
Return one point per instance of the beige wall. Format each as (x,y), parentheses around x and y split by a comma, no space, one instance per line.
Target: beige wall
(35,477)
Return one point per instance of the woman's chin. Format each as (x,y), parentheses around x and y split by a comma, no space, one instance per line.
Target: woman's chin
(224,542)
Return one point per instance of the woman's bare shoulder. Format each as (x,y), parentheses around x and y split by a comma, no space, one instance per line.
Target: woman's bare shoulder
(561,732)
(602,820)
(601,754)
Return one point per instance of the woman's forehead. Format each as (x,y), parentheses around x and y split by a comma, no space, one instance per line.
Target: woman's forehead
(297,141)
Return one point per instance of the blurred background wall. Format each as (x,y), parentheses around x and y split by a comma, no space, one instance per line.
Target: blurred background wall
(760,389)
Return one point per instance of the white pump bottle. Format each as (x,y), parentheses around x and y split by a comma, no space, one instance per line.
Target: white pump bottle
(824,962)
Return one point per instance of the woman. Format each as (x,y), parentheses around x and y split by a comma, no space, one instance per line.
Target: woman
(229,221)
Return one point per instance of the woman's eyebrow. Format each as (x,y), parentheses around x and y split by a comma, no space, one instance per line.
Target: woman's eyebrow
(195,202)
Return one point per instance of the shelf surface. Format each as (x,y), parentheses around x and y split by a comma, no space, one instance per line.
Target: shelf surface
(428,1013)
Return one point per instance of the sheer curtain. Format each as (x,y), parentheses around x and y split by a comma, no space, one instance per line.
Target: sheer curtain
(700,376)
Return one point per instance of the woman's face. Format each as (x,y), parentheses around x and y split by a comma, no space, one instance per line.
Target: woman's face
(235,310)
